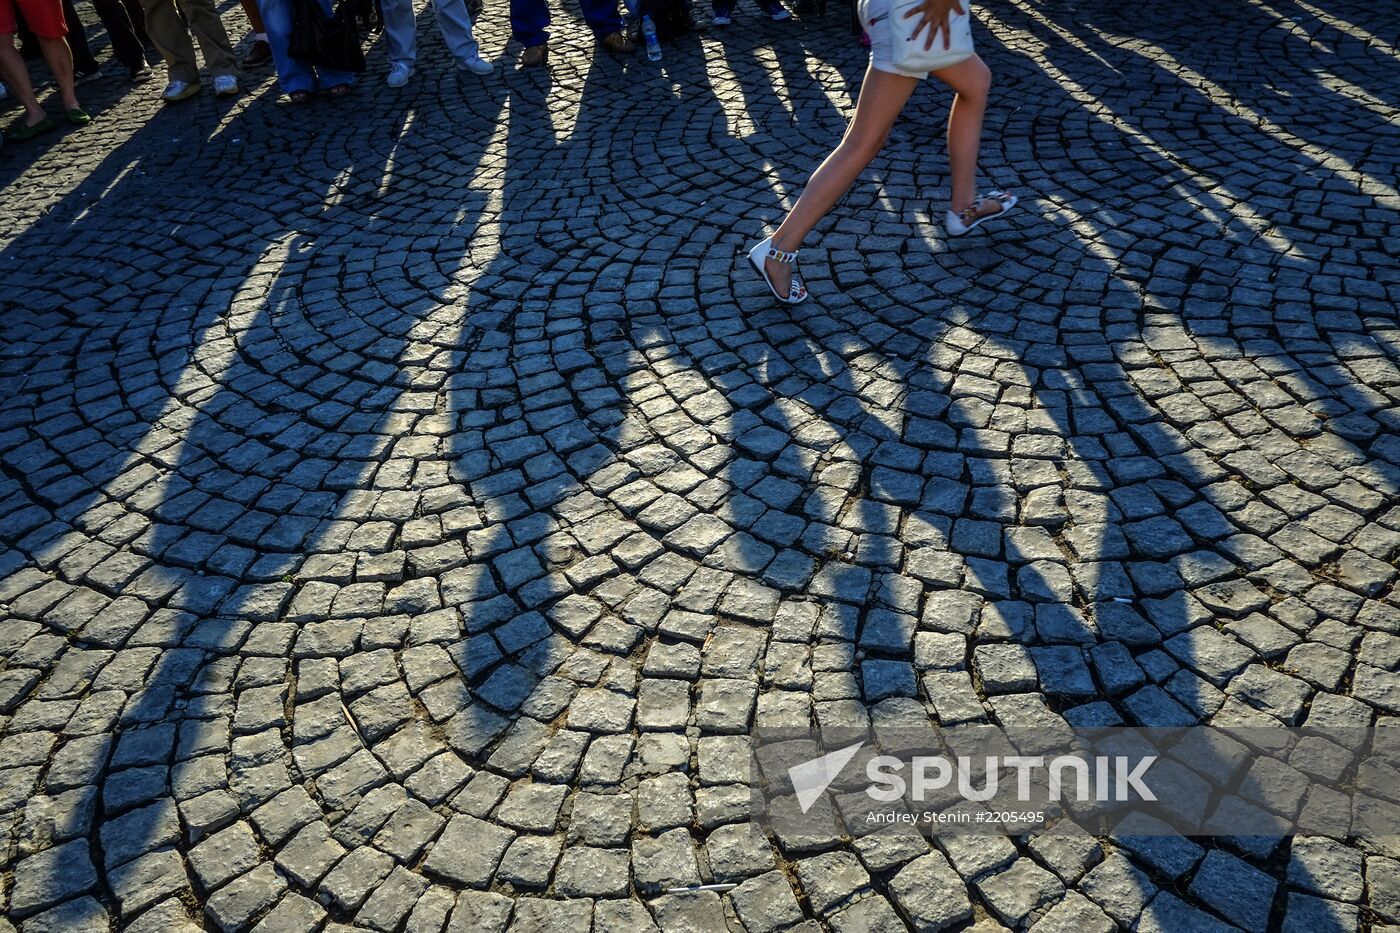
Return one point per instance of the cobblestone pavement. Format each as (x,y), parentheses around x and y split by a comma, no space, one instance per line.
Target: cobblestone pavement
(409,504)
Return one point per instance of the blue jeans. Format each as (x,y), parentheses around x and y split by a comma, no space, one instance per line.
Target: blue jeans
(293,74)
(530,18)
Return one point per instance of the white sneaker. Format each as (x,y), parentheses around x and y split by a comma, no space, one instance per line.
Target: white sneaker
(721,19)
(179,90)
(399,73)
(475,64)
(781,14)
(225,85)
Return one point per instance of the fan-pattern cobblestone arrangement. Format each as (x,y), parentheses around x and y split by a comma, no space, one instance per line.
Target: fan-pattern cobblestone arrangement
(409,504)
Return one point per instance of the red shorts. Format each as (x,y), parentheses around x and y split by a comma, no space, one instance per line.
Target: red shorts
(44,17)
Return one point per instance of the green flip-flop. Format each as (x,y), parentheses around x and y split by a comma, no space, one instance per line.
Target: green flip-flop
(78,117)
(24,133)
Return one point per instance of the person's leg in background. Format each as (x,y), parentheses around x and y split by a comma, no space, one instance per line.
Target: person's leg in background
(45,18)
(85,64)
(214,45)
(456,25)
(333,79)
(15,75)
(138,22)
(172,39)
(261,53)
(774,10)
(126,45)
(329,79)
(60,61)
(294,76)
(724,11)
(401,37)
(606,22)
(529,24)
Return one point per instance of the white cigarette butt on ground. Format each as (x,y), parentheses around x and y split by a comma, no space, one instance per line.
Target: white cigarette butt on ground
(701,887)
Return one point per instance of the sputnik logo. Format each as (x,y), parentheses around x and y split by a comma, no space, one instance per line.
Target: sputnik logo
(931,773)
(811,778)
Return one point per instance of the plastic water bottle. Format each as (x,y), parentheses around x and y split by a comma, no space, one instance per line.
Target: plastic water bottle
(653,43)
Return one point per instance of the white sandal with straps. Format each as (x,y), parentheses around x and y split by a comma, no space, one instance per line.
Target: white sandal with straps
(960,222)
(797,292)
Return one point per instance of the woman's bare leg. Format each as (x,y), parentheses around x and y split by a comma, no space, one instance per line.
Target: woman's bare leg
(60,61)
(970,80)
(882,97)
(15,74)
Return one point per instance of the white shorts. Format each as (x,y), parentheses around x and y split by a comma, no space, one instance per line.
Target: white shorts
(879,20)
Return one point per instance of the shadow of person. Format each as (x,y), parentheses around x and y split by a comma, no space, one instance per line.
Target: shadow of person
(1112,555)
(1330,51)
(1031,436)
(1230,195)
(233,404)
(1273,117)
(785,88)
(574,463)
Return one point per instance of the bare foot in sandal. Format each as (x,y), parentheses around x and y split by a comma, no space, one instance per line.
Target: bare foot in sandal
(781,275)
(983,207)
(779,271)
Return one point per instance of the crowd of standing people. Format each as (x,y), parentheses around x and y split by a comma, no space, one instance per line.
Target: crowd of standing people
(172,29)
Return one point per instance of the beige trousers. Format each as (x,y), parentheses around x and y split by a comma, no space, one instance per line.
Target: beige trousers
(171,34)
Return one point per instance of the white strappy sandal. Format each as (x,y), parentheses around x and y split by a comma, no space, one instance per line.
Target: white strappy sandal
(962,221)
(797,292)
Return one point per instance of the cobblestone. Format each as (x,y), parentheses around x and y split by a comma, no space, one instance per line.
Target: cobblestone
(409,514)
